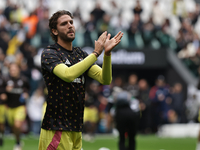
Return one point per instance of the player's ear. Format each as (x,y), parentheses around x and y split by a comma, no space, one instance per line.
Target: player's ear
(54,31)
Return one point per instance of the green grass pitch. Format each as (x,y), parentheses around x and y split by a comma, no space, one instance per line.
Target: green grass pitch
(144,142)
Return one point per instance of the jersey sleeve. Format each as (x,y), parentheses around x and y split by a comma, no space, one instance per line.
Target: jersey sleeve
(50,59)
(104,74)
(68,74)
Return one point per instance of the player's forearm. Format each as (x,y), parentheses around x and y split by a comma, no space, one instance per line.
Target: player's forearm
(68,74)
(104,74)
(107,70)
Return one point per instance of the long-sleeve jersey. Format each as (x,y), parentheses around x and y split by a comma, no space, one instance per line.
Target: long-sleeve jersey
(64,72)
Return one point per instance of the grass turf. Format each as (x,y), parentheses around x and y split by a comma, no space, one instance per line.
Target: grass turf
(144,142)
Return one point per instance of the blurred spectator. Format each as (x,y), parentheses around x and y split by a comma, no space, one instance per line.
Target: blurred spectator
(43,5)
(97,12)
(178,103)
(9,8)
(158,14)
(30,24)
(179,9)
(91,118)
(103,118)
(104,25)
(138,8)
(43,29)
(145,107)
(114,9)
(4,32)
(198,138)
(93,92)
(132,85)
(116,87)
(90,34)
(164,35)
(3,98)
(17,88)
(192,104)
(35,110)
(16,40)
(134,32)
(148,32)
(160,102)
(119,23)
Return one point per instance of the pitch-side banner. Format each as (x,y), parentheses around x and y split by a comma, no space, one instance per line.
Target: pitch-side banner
(140,58)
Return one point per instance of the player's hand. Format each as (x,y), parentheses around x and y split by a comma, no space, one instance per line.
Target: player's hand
(99,44)
(3,96)
(111,43)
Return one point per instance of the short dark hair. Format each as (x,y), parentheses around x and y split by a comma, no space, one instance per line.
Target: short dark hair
(53,21)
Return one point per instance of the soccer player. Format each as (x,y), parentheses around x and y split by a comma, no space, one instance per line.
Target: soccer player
(3,98)
(64,69)
(17,88)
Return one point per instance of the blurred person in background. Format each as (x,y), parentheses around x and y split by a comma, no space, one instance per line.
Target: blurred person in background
(160,102)
(35,110)
(91,118)
(93,92)
(90,31)
(132,85)
(64,69)
(134,32)
(145,107)
(98,13)
(126,113)
(137,8)
(158,15)
(117,86)
(104,24)
(3,98)
(17,89)
(43,28)
(148,32)
(8,10)
(198,138)
(178,103)
(30,24)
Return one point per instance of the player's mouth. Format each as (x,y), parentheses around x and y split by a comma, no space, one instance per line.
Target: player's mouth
(70,32)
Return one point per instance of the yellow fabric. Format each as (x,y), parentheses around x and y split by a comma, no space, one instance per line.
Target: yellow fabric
(13,45)
(69,140)
(90,114)
(2,114)
(104,74)
(68,74)
(44,109)
(16,114)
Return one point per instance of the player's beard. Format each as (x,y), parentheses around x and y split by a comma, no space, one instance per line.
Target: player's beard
(65,37)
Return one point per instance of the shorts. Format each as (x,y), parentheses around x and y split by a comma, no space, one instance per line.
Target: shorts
(91,114)
(60,140)
(2,114)
(16,114)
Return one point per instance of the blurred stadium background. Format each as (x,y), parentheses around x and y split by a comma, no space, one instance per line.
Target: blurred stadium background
(160,38)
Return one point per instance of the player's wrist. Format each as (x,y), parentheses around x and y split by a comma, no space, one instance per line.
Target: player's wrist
(107,53)
(96,53)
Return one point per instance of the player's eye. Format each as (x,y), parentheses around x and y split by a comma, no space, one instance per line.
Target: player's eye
(71,22)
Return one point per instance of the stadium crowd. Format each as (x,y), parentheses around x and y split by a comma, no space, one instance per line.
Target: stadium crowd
(22,38)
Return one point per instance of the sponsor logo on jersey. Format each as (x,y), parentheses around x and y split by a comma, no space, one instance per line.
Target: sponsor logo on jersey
(67,62)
